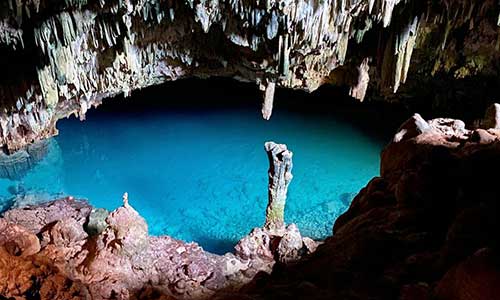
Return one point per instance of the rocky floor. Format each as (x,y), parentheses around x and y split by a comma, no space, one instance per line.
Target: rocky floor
(427,228)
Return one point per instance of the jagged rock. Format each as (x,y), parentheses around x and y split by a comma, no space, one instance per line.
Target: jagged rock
(36,217)
(290,247)
(310,245)
(127,231)
(255,245)
(411,128)
(16,240)
(65,232)
(280,167)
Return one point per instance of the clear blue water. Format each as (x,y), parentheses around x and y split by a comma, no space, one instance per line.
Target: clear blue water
(201,175)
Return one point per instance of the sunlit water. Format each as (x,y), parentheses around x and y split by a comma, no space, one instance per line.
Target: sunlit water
(202,175)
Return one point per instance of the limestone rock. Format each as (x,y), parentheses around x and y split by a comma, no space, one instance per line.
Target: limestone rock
(256,244)
(411,128)
(280,176)
(17,240)
(36,217)
(290,247)
(65,58)
(127,229)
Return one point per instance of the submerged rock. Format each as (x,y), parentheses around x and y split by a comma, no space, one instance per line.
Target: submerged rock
(16,165)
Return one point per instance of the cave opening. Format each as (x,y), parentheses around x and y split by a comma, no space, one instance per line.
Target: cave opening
(190,155)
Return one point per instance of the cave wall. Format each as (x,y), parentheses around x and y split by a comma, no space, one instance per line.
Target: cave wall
(63,57)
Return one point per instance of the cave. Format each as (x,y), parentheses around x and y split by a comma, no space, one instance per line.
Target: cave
(279,149)
(192,157)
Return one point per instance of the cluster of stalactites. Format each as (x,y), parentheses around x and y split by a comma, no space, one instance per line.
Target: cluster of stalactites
(94,51)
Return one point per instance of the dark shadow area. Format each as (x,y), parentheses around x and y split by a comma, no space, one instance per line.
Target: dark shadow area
(376,118)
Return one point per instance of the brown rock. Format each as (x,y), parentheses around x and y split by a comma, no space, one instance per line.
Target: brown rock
(17,240)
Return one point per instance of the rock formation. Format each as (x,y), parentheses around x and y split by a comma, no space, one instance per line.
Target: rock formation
(280,176)
(64,57)
(427,228)
(65,249)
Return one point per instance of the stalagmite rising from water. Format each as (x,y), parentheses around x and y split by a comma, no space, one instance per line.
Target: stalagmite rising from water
(280,175)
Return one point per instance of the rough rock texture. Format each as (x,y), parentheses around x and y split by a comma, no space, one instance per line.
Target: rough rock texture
(427,228)
(45,252)
(63,57)
(280,176)
(65,249)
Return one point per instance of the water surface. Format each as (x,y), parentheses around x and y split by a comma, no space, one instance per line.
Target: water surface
(201,175)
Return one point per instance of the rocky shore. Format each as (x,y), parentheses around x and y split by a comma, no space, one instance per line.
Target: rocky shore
(426,228)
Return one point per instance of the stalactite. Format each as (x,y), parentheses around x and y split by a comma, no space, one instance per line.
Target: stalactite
(90,51)
(267,104)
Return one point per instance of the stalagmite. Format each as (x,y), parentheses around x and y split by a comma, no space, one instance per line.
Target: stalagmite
(267,105)
(280,168)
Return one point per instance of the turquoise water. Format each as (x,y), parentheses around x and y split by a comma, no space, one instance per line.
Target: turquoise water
(201,175)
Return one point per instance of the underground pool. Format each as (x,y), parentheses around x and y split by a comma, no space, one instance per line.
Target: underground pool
(201,174)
